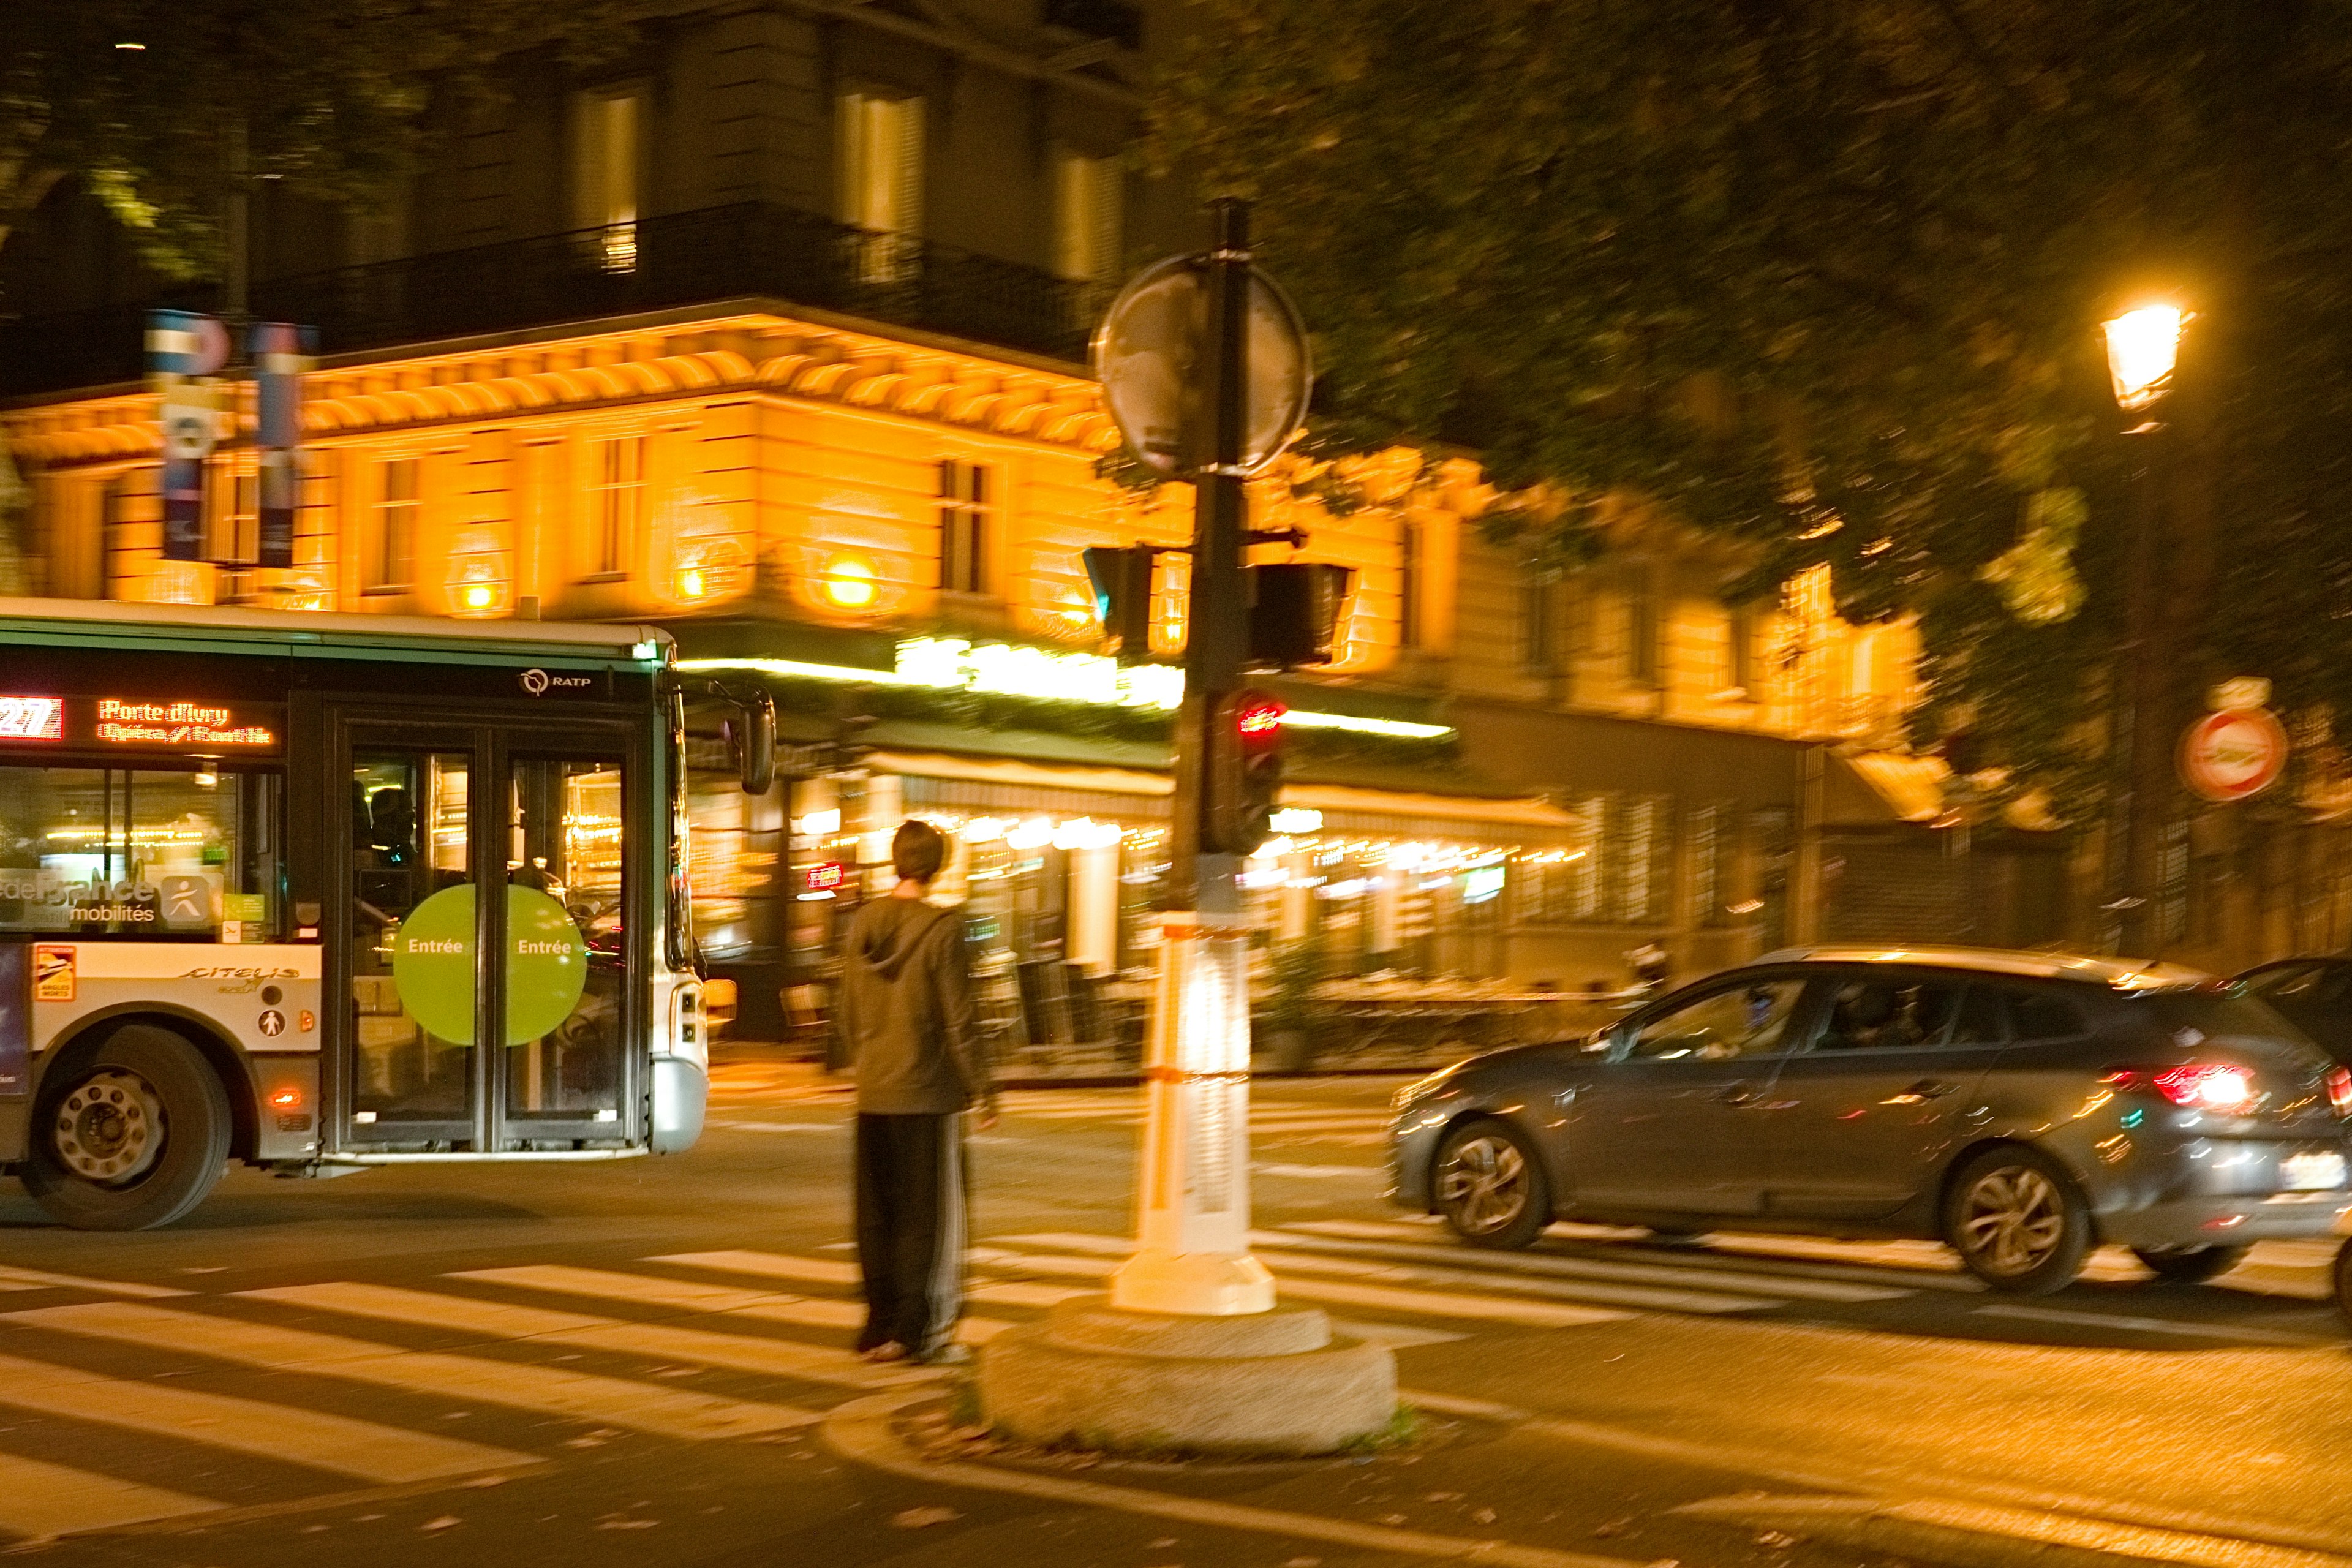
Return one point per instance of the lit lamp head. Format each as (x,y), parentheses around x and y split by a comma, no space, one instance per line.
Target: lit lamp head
(849,584)
(2142,346)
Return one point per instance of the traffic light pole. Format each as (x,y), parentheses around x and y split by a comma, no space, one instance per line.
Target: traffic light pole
(1192,1211)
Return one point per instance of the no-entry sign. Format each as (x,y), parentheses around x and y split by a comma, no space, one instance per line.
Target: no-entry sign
(2230,755)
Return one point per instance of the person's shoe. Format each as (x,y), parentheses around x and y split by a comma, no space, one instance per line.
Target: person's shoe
(947,1354)
(890,1350)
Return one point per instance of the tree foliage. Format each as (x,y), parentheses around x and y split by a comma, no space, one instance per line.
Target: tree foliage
(144,101)
(1823,277)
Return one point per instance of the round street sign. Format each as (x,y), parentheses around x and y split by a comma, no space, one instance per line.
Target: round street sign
(2233,754)
(1149,342)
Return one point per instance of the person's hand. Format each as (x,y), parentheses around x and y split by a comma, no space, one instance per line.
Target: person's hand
(987,1117)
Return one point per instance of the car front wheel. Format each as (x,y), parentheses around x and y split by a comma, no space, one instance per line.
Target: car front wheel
(1490,1186)
(2014,1217)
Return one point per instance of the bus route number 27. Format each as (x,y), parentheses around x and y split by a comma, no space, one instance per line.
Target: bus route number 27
(31,719)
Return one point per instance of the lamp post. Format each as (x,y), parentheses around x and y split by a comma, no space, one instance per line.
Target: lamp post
(2143,349)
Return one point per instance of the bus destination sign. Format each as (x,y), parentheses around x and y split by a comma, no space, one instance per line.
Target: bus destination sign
(141,724)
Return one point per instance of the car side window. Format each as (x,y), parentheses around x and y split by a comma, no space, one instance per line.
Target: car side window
(1888,1013)
(2035,1016)
(1983,1020)
(1747,1020)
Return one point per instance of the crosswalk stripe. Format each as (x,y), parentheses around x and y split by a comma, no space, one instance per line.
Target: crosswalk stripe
(768,1266)
(1014,1293)
(43,1500)
(611,1401)
(36,1279)
(1275,1250)
(816,1312)
(1553,1265)
(1396,1336)
(370,1451)
(660,1342)
(1421,1303)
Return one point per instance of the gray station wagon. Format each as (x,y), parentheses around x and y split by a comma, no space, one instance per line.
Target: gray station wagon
(2022,1106)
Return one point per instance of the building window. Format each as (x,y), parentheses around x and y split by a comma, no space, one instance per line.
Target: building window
(617,503)
(1412,595)
(1714,838)
(389,561)
(1538,627)
(965,501)
(882,181)
(131,533)
(1640,625)
(1743,652)
(1088,197)
(233,520)
(607,158)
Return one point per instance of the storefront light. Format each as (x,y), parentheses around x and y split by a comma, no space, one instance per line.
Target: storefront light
(1034,834)
(1273,849)
(849,584)
(1085,833)
(817,824)
(1296,819)
(984,830)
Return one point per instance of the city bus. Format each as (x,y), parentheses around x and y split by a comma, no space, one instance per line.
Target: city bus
(242,856)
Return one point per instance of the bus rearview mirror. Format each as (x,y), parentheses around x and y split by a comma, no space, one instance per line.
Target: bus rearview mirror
(755,742)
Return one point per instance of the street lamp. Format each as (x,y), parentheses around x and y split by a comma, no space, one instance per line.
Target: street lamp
(2143,347)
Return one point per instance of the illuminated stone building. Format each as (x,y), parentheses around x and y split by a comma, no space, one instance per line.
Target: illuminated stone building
(774,338)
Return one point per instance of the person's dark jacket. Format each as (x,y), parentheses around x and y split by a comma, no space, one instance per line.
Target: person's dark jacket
(907,1011)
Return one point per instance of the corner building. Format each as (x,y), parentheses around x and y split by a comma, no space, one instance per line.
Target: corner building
(775,335)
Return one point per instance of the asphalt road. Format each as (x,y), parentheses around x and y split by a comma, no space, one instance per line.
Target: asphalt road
(643,1363)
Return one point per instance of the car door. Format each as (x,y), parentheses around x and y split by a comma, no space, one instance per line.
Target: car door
(1862,1114)
(1673,1122)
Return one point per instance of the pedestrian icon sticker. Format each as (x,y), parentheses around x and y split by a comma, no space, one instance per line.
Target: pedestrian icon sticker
(273,1023)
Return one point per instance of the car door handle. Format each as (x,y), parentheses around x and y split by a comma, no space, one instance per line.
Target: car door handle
(1738,1094)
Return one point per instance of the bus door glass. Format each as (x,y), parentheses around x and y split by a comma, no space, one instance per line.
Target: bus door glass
(413,939)
(564,1060)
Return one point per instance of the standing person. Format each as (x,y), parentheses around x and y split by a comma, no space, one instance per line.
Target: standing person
(906,1020)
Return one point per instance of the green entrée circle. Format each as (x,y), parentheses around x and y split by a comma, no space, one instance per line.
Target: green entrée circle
(432,965)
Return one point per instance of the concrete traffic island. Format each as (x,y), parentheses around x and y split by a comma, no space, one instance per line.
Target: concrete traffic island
(1266,1384)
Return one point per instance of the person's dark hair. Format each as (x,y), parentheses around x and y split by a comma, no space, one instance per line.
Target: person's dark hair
(917,850)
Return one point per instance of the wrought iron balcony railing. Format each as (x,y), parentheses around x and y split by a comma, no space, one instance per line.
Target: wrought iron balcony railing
(749,249)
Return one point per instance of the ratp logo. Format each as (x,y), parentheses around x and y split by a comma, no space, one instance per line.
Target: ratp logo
(535,682)
(538,682)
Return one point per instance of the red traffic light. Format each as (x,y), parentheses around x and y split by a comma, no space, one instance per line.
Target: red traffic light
(1259,721)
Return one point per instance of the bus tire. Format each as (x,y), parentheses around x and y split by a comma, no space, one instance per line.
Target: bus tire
(130,1137)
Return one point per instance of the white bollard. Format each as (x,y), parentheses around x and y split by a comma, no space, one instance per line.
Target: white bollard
(1192,1209)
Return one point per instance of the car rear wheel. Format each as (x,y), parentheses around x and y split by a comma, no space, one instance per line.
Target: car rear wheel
(1490,1187)
(2017,1221)
(2190,1265)
(131,1139)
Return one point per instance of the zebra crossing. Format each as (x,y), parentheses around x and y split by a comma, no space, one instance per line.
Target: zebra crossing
(711,1346)
(1271,1120)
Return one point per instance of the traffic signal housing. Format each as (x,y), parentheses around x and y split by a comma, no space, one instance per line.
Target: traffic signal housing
(1295,609)
(1121,579)
(1244,771)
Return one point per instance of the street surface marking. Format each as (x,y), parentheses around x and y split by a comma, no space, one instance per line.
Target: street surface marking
(1271,1253)
(769,1265)
(607,1285)
(1312,1173)
(1879,1522)
(861,1430)
(1553,1265)
(1013,1293)
(44,1500)
(2148,1325)
(658,1342)
(363,1448)
(1421,1303)
(1396,1336)
(608,1401)
(34,1279)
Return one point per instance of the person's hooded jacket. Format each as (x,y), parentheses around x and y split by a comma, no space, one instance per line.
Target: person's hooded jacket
(907,1011)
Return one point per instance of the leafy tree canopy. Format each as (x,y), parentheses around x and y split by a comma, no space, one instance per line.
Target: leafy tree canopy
(1823,277)
(142,101)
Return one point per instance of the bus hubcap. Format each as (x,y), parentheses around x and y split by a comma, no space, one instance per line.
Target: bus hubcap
(110,1128)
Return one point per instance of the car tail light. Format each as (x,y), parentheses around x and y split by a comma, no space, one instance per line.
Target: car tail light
(2339,1089)
(2224,1087)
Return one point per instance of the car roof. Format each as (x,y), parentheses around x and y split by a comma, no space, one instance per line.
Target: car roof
(2115,973)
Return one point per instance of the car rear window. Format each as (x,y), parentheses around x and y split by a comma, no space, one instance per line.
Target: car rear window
(2211,1013)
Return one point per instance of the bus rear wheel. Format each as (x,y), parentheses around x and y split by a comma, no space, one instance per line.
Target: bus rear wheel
(132,1138)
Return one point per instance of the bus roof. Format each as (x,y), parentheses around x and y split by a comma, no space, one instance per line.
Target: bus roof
(295,634)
